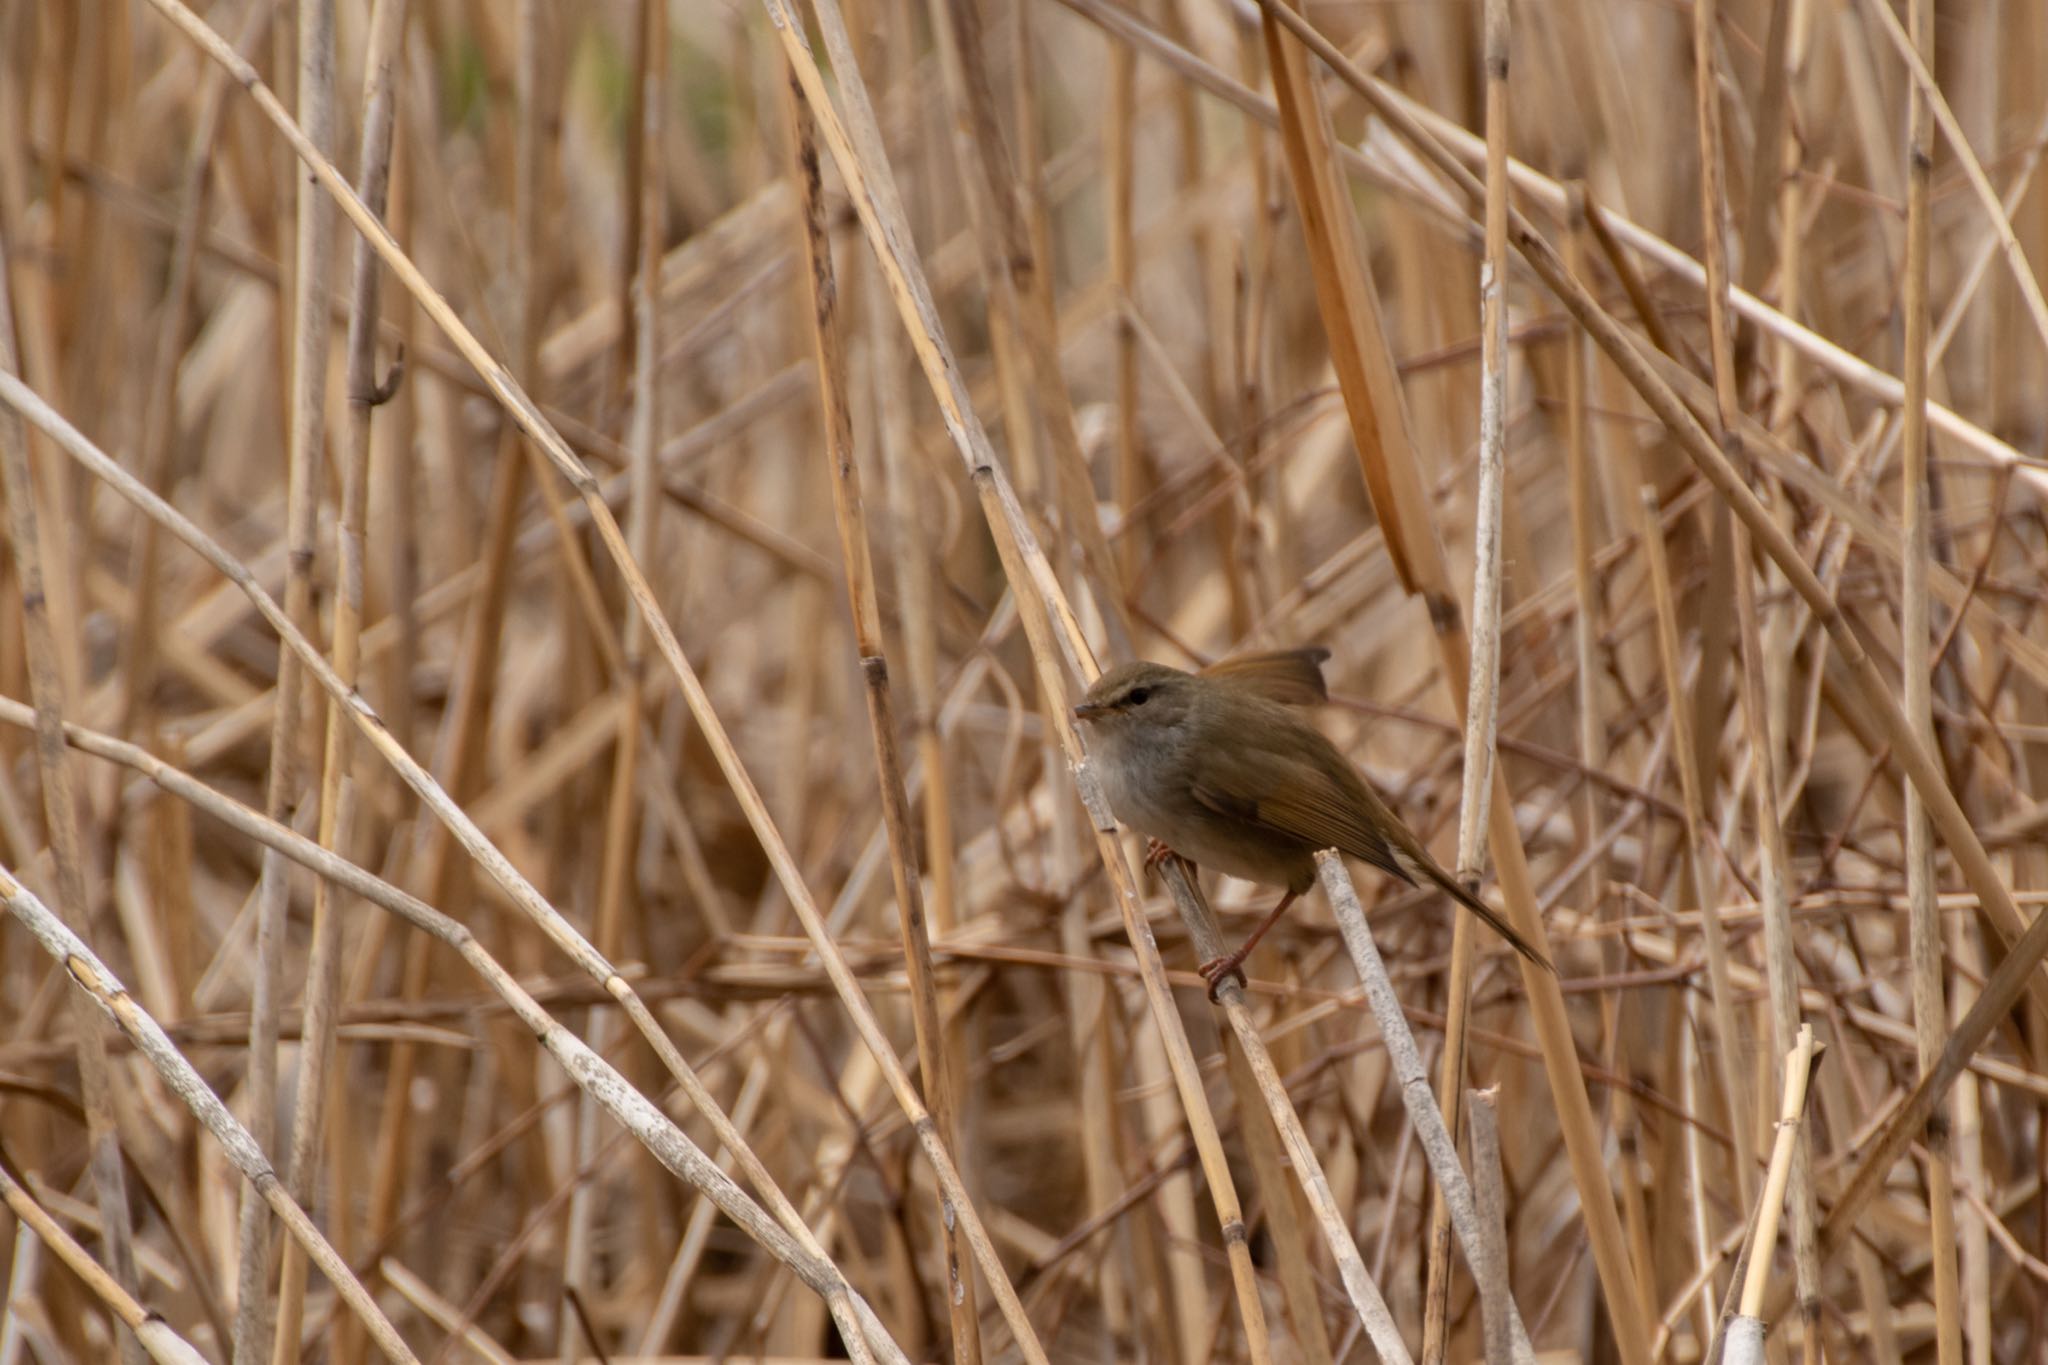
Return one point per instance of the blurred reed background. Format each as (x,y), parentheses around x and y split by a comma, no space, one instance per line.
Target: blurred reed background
(831,839)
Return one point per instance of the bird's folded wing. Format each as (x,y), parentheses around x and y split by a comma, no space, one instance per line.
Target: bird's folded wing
(1293,677)
(1298,813)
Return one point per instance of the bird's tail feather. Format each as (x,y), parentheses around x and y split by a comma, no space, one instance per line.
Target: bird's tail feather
(1490,917)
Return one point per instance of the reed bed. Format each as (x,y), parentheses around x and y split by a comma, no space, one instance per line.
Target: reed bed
(550,550)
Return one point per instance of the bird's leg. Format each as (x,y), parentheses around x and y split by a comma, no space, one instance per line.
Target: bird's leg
(1217,968)
(1156,854)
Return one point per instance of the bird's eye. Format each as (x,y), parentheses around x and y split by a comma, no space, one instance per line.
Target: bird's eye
(1137,695)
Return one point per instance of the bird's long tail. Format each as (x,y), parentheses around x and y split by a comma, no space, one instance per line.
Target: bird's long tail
(1489,916)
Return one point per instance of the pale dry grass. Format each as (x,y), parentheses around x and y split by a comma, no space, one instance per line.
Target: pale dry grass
(1148,327)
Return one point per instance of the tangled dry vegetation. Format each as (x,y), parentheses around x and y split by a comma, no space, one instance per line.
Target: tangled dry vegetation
(571,749)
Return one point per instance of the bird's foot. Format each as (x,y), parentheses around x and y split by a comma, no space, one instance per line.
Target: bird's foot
(1157,853)
(1217,970)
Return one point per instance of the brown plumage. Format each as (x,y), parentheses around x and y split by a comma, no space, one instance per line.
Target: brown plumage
(1222,768)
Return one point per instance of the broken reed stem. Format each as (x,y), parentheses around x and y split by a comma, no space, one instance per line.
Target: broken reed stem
(1744,1340)
(1491,1265)
(1924,930)
(323,968)
(1482,691)
(1799,1064)
(850,516)
(1406,1062)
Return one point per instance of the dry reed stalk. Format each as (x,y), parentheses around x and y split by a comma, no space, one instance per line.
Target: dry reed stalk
(1490,1198)
(1930,1010)
(1438,1144)
(255,1305)
(1916,49)
(364,392)
(957,28)
(622,824)
(1482,691)
(99,986)
(156,1337)
(1461,148)
(1367,1302)
(1774,870)
(61,819)
(850,515)
(1743,1344)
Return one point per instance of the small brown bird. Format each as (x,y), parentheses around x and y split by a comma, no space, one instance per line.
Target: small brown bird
(1219,768)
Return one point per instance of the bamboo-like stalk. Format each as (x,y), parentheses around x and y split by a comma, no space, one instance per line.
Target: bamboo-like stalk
(850,516)
(323,970)
(1437,1143)
(60,818)
(1924,936)
(1490,1199)
(1120,171)
(1482,691)
(1745,1340)
(313,247)
(1364,1294)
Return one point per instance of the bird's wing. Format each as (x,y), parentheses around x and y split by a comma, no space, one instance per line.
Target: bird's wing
(1293,677)
(1321,824)
(1279,794)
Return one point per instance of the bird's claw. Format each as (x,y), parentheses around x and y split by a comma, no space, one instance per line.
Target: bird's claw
(1217,970)
(1158,852)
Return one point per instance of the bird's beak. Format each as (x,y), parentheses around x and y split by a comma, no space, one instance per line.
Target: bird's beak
(1089,710)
